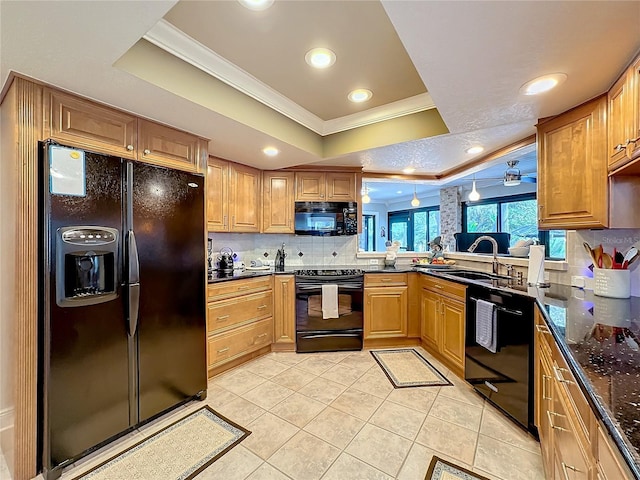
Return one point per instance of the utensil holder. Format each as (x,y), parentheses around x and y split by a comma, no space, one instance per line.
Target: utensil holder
(611,283)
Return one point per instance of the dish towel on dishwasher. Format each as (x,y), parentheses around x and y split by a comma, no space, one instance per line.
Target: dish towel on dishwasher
(486,325)
(330,301)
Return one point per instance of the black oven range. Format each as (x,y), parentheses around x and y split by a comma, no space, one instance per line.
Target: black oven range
(318,332)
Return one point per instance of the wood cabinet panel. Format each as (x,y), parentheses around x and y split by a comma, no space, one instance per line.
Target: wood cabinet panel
(169,147)
(431,314)
(278,202)
(217,195)
(341,187)
(610,465)
(385,280)
(224,314)
(385,312)
(227,346)
(310,186)
(453,325)
(284,314)
(84,124)
(244,198)
(624,119)
(222,290)
(572,170)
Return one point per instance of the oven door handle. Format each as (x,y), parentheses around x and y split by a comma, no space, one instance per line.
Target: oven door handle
(318,286)
(329,335)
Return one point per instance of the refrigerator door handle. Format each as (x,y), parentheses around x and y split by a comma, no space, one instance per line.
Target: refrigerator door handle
(133,283)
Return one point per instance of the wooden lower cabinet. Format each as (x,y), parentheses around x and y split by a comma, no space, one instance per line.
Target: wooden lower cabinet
(239,321)
(443,313)
(386,309)
(284,313)
(574,444)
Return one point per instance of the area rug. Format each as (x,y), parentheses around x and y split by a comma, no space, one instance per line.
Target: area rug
(405,367)
(180,451)
(440,469)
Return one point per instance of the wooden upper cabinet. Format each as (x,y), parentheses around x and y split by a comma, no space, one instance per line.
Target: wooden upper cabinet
(80,123)
(325,187)
(341,187)
(624,118)
(217,195)
(166,146)
(311,187)
(572,168)
(244,198)
(277,202)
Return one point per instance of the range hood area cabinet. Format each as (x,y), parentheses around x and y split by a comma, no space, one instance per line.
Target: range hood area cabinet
(624,122)
(72,120)
(233,197)
(574,189)
(326,187)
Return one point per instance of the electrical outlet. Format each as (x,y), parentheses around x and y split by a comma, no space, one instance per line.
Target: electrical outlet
(546,276)
(373,261)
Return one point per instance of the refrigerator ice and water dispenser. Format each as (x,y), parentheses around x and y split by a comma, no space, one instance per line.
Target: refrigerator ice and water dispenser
(86,265)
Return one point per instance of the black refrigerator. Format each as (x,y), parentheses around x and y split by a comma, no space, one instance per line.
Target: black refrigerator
(122,298)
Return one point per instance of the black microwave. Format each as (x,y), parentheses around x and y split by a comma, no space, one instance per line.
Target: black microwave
(326,218)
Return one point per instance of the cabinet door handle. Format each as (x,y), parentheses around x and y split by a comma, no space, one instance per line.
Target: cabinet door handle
(224,221)
(544,387)
(222,350)
(130,148)
(566,467)
(558,374)
(146,151)
(260,307)
(555,427)
(440,287)
(386,279)
(243,287)
(222,317)
(543,329)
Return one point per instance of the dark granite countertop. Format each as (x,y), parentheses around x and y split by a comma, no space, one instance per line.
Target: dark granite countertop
(215,277)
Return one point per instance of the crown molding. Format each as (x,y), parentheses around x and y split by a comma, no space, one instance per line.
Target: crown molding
(166,36)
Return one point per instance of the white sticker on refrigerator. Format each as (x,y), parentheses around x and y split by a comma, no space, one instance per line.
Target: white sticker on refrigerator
(66,171)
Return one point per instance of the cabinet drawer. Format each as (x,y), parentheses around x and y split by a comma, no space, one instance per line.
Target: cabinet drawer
(233,343)
(226,313)
(385,279)
(444,287)
(569,387)
(218,291)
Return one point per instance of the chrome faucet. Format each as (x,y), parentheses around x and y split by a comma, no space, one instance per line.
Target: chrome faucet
(474,245)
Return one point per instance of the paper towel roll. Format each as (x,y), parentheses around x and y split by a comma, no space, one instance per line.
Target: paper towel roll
(535,275)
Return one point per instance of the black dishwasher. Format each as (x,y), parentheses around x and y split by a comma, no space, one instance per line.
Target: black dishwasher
(504,378)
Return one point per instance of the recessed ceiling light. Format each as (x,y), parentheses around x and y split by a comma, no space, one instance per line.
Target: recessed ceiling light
(270,151)
(320,57)
(360,95)
(474,150)
(542,84)
(408,170)
(256,4)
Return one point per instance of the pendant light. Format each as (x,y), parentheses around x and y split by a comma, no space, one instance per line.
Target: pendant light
(474,196)
(365,196)
(415,202)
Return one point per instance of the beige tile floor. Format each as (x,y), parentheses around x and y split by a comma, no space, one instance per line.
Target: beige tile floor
(335,416)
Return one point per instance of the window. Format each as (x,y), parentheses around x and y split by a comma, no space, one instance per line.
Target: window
(414,229)
(368,236)
(517,215)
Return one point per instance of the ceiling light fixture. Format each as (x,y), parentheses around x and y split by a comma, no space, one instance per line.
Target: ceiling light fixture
(474,196)
(320,57)
(256,4)
(474,150)
(270,151)
(408,170)
(415,202)
(365,197)
(542,84)
(360,95)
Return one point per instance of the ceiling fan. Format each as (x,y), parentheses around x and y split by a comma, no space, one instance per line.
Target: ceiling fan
(513,177)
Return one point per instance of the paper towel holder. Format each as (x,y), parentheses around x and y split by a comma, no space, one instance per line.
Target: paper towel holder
(540,282)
